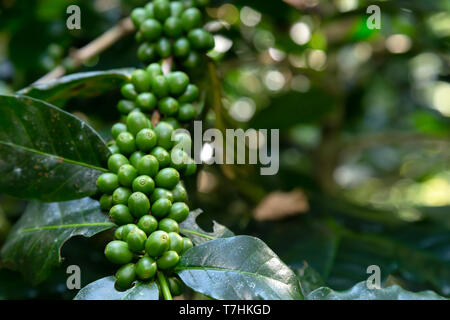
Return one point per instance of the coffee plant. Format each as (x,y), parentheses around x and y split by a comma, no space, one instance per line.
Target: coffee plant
(130,186)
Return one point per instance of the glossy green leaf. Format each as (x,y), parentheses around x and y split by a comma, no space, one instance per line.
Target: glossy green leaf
(361,292)
(103,289)
(191,229)
(240,267)
(309,279)
(80,85)
(46,153)
(34,244)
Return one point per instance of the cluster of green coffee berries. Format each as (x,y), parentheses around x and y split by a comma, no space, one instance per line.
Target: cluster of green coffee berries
(149,89)
(145,197)
(143,191)
(172,28)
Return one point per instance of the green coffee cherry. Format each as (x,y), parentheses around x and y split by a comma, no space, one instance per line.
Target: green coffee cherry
(141,80)
(138,16)
(149,9)
(187,244)
(118,233)
(148,165)
(191,19)
(168,225)
(146,140)
(167,178)
(176,242)
(200,39)
(154,69)
(136,121)
(192,60)
(128,91)
(176,8)
(146,268)
(136,240)
(186,112)
(178,82)
(107,183)
(161,207)
(173,122)
(160,193)
(138,204)
(161,9)
(117,129)
(115,161)
(151,29)
(168,260)
(178,159)
(127,229)
(121,215)
(179,193)
(146,101)
(164,47)
(147,52)
(182,140)
(125,106)
(161,156)
(118,252)
(168,106)
(157,243)
(160,86)
(164,132)
(106,202)
(125,142)
(190,94)
(181,48)
(135,157)
(178,212)
(127,173)
(125,276)
(191,168)
(173,27)
(114,149)
(143,184)
(148,224)
(121,195)
(176,286)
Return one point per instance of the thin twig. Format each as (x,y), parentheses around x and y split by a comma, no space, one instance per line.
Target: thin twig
(156,117)
(92,49)
(164,286)
(167,65)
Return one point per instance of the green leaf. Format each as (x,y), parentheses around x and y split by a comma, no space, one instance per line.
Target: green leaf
(240,267)
(190,229)
(309,279)
(80,85)
(46,153)
(33,246)
(361,292)
(103,289)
